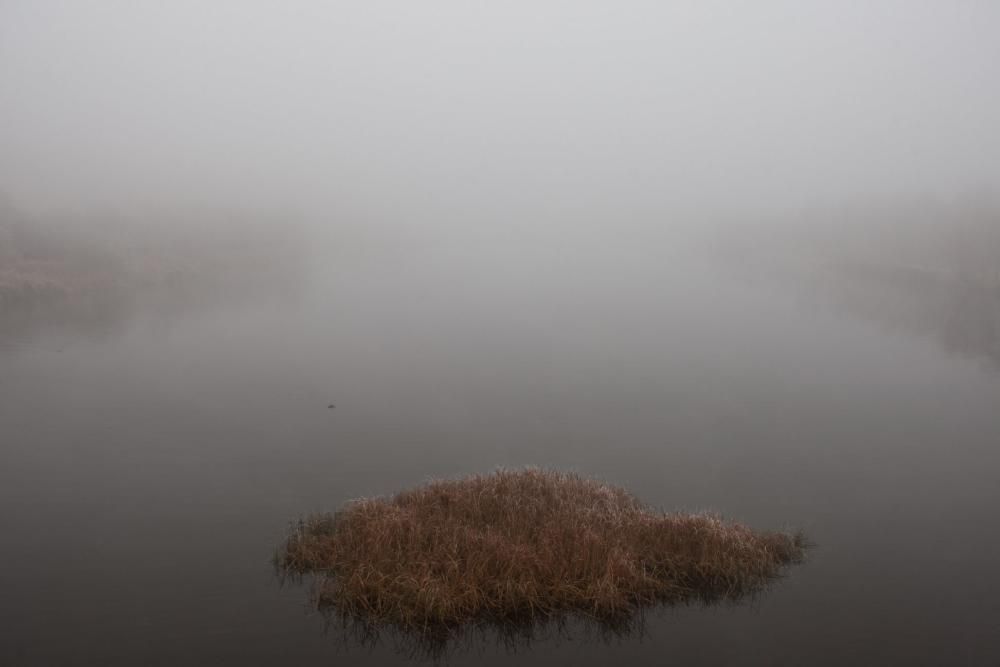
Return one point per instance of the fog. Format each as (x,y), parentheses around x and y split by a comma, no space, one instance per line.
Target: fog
(446,118)
(258,259)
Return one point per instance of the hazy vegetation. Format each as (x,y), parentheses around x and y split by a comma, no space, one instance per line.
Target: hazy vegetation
(923,265)
(522,547)
(956,240)
(81,259)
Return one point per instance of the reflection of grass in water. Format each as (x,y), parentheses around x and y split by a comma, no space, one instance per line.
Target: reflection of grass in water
(94,291)
(517,550)
(960,314)
(437,643)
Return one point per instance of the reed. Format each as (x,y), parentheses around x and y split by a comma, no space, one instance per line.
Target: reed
(523,546)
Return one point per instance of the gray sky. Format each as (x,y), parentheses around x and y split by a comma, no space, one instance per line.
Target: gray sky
(422,116)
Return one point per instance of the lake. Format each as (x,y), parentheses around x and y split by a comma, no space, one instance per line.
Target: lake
(151,461)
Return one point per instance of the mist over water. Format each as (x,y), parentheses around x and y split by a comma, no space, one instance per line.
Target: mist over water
(739,258)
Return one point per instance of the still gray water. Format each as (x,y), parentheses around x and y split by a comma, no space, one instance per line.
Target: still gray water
(151,461)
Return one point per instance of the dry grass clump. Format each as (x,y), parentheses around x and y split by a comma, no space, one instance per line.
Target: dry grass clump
(523,546)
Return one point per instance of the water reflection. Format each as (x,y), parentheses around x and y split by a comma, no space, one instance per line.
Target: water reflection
(26,316)
(439,644)
(963,316)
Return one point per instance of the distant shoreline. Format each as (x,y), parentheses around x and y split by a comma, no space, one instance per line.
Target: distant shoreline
(68,277)
(47,280)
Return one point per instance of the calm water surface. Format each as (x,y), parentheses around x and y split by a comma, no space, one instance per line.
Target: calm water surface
(149,465)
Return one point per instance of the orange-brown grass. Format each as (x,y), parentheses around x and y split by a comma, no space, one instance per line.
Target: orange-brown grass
(523,546)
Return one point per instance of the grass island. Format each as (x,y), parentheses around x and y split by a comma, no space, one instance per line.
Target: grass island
(521,547)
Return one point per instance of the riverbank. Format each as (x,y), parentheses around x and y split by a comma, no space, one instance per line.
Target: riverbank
(41,266)
(25,281)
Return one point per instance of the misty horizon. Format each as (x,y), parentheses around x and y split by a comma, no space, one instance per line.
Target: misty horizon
(449,115)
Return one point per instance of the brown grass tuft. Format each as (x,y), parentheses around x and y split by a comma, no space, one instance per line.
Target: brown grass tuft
(520,547)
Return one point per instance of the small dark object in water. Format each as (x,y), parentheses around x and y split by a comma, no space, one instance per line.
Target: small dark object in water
(331,406)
